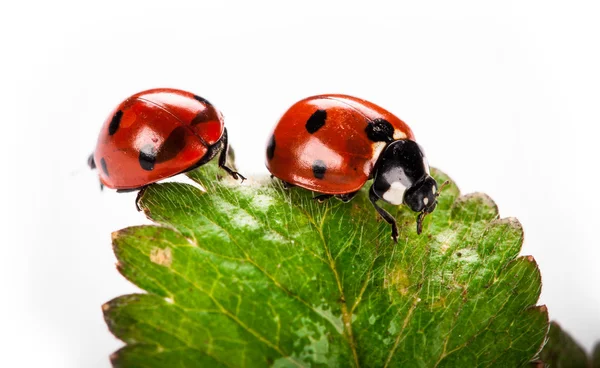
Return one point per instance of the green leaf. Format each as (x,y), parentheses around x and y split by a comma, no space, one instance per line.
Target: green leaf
(561,351)
(254,275)
(596,356)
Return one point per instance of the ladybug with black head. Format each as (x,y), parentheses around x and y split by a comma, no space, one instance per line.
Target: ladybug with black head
(333,144)
(156,134)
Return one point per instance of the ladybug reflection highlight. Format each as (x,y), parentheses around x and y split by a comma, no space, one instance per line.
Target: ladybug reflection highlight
(333,144)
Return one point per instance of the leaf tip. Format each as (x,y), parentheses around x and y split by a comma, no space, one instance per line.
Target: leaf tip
(114,358)
(115,235)
(105,307)
(474,207)
(481,197)
(511,221)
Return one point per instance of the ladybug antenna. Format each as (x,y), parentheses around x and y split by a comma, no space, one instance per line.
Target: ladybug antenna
(437,194)
(420,222)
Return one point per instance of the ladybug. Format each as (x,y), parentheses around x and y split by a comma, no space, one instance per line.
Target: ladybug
(156,134)
(332,144)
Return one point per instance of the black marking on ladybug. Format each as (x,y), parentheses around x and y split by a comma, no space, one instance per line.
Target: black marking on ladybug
(318,169)
(104,168)
(202,99)
(173,145)
(115,122)
(316,121)
(207,114)
(147,157)
(380,130)
(271,148)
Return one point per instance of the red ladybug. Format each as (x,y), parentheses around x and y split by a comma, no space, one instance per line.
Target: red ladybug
(156,134)
(333,144)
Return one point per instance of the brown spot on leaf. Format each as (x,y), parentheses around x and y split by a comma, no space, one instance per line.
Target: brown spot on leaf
(439,303)
(162,257)
(397,279)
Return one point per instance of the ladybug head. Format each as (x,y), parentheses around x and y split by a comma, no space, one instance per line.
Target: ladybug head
(422,198)
(402,177)
(422,195)
(421,192)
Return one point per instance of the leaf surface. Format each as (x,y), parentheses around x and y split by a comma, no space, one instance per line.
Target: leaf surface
(254,275)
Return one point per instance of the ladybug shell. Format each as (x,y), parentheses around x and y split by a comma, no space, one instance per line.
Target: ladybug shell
(153,135)
(321,143)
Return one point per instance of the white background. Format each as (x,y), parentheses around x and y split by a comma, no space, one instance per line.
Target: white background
(504,98)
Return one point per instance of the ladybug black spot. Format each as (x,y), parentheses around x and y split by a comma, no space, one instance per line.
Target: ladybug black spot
(203,100)
(316,121)
(380,130)
(148,157)
(271,148)
(173,145)
(115,122)
(104,168)
(204,116)
(319,168)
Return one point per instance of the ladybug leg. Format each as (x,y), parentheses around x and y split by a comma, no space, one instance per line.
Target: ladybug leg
(92,165)
(384,214)
(322,197)
(223,158)
(287,185)
(346,197)
(91,162)
(129,190)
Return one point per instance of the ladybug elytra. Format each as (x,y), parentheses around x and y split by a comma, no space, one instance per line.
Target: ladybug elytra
(332,144)
(156,134)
